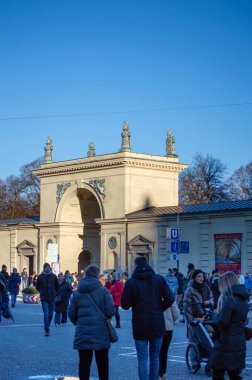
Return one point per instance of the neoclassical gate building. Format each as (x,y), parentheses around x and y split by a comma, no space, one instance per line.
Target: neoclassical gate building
(107,209)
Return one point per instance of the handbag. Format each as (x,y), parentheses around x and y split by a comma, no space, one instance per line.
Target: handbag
(111,330)
(248,332)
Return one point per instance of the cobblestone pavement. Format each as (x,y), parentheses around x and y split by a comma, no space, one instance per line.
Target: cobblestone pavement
(27,354)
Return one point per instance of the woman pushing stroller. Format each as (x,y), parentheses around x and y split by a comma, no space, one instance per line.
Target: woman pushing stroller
(197,297)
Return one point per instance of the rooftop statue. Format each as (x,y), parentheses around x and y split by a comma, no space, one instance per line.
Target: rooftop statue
(48,151)
(126,138)
(170,144)
(91,150)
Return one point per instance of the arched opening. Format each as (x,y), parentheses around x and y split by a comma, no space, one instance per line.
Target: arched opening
(84,260)
(78,210)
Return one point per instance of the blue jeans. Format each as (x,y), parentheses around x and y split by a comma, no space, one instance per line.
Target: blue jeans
(13,299)
(142,346)
(48,309)
(57,318)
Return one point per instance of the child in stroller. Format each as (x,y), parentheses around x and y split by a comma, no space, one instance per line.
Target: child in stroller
(201,334)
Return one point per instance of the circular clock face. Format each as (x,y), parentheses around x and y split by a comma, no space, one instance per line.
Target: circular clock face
(112,242)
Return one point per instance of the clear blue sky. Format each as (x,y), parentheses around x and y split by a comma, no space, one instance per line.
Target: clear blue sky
(109,58)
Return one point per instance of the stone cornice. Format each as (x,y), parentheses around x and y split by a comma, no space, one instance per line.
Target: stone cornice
(107,164)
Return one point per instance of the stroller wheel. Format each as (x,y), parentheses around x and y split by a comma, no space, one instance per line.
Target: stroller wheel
(192,358)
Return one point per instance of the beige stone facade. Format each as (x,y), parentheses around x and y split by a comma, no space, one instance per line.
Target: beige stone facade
(89,207)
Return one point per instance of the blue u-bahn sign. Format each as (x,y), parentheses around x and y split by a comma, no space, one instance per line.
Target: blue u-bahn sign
(172,233)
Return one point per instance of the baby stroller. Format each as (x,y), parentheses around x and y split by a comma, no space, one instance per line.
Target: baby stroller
(201,336)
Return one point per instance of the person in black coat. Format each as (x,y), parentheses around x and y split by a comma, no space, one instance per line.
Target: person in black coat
(62,300)
(229,351)
(48,286)
(5,273)
(149,295)
(13,286)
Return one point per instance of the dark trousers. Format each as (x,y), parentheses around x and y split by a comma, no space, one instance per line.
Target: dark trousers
(233,375)
(102,362)
(60,318)
(163,352)
(48,309)
(117,315)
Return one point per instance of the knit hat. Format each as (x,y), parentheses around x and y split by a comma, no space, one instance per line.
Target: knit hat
(196,272)
(46,265)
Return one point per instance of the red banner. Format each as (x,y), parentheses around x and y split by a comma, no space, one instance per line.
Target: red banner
(228,252)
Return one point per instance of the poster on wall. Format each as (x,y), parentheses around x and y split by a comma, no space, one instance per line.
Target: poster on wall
(228,252)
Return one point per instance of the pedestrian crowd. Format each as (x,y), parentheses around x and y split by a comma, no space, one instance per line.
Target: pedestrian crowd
(92,299)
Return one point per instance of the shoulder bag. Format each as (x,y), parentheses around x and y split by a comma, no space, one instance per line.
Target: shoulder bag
(112,331)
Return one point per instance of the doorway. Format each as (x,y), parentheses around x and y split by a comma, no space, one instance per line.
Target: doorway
(84,260)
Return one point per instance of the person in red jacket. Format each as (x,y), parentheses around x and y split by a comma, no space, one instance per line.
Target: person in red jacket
(116,292)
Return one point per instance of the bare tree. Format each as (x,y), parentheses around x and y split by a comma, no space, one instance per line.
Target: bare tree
(203,181)
(19,195)
(240,183)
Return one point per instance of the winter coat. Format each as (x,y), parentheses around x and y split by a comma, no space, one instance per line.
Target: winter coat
(192,295)
(2,287)
(65,290)
(13,283)
(172,282)
(47,285)
(171,315)
(116,292)
(108,285)
(6,275)
(229,351)
(91,331)
(149,295)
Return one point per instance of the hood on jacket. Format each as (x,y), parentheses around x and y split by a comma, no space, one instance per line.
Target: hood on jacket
(87,284)
(241,292)
(143,272)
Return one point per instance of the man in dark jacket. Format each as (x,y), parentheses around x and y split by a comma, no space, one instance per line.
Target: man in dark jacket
(149,295)
(48,285)
(13,286)
(5,273)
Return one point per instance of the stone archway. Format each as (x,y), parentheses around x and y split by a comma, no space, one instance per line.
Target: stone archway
(84,260)
(77,212)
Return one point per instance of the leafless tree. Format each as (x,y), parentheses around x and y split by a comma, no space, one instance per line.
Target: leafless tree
(19,195)
(240,183)
(203,181)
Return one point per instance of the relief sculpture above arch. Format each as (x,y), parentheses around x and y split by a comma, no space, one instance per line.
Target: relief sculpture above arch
(99,186)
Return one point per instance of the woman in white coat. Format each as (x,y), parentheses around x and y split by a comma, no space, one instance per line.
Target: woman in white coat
(171,315)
